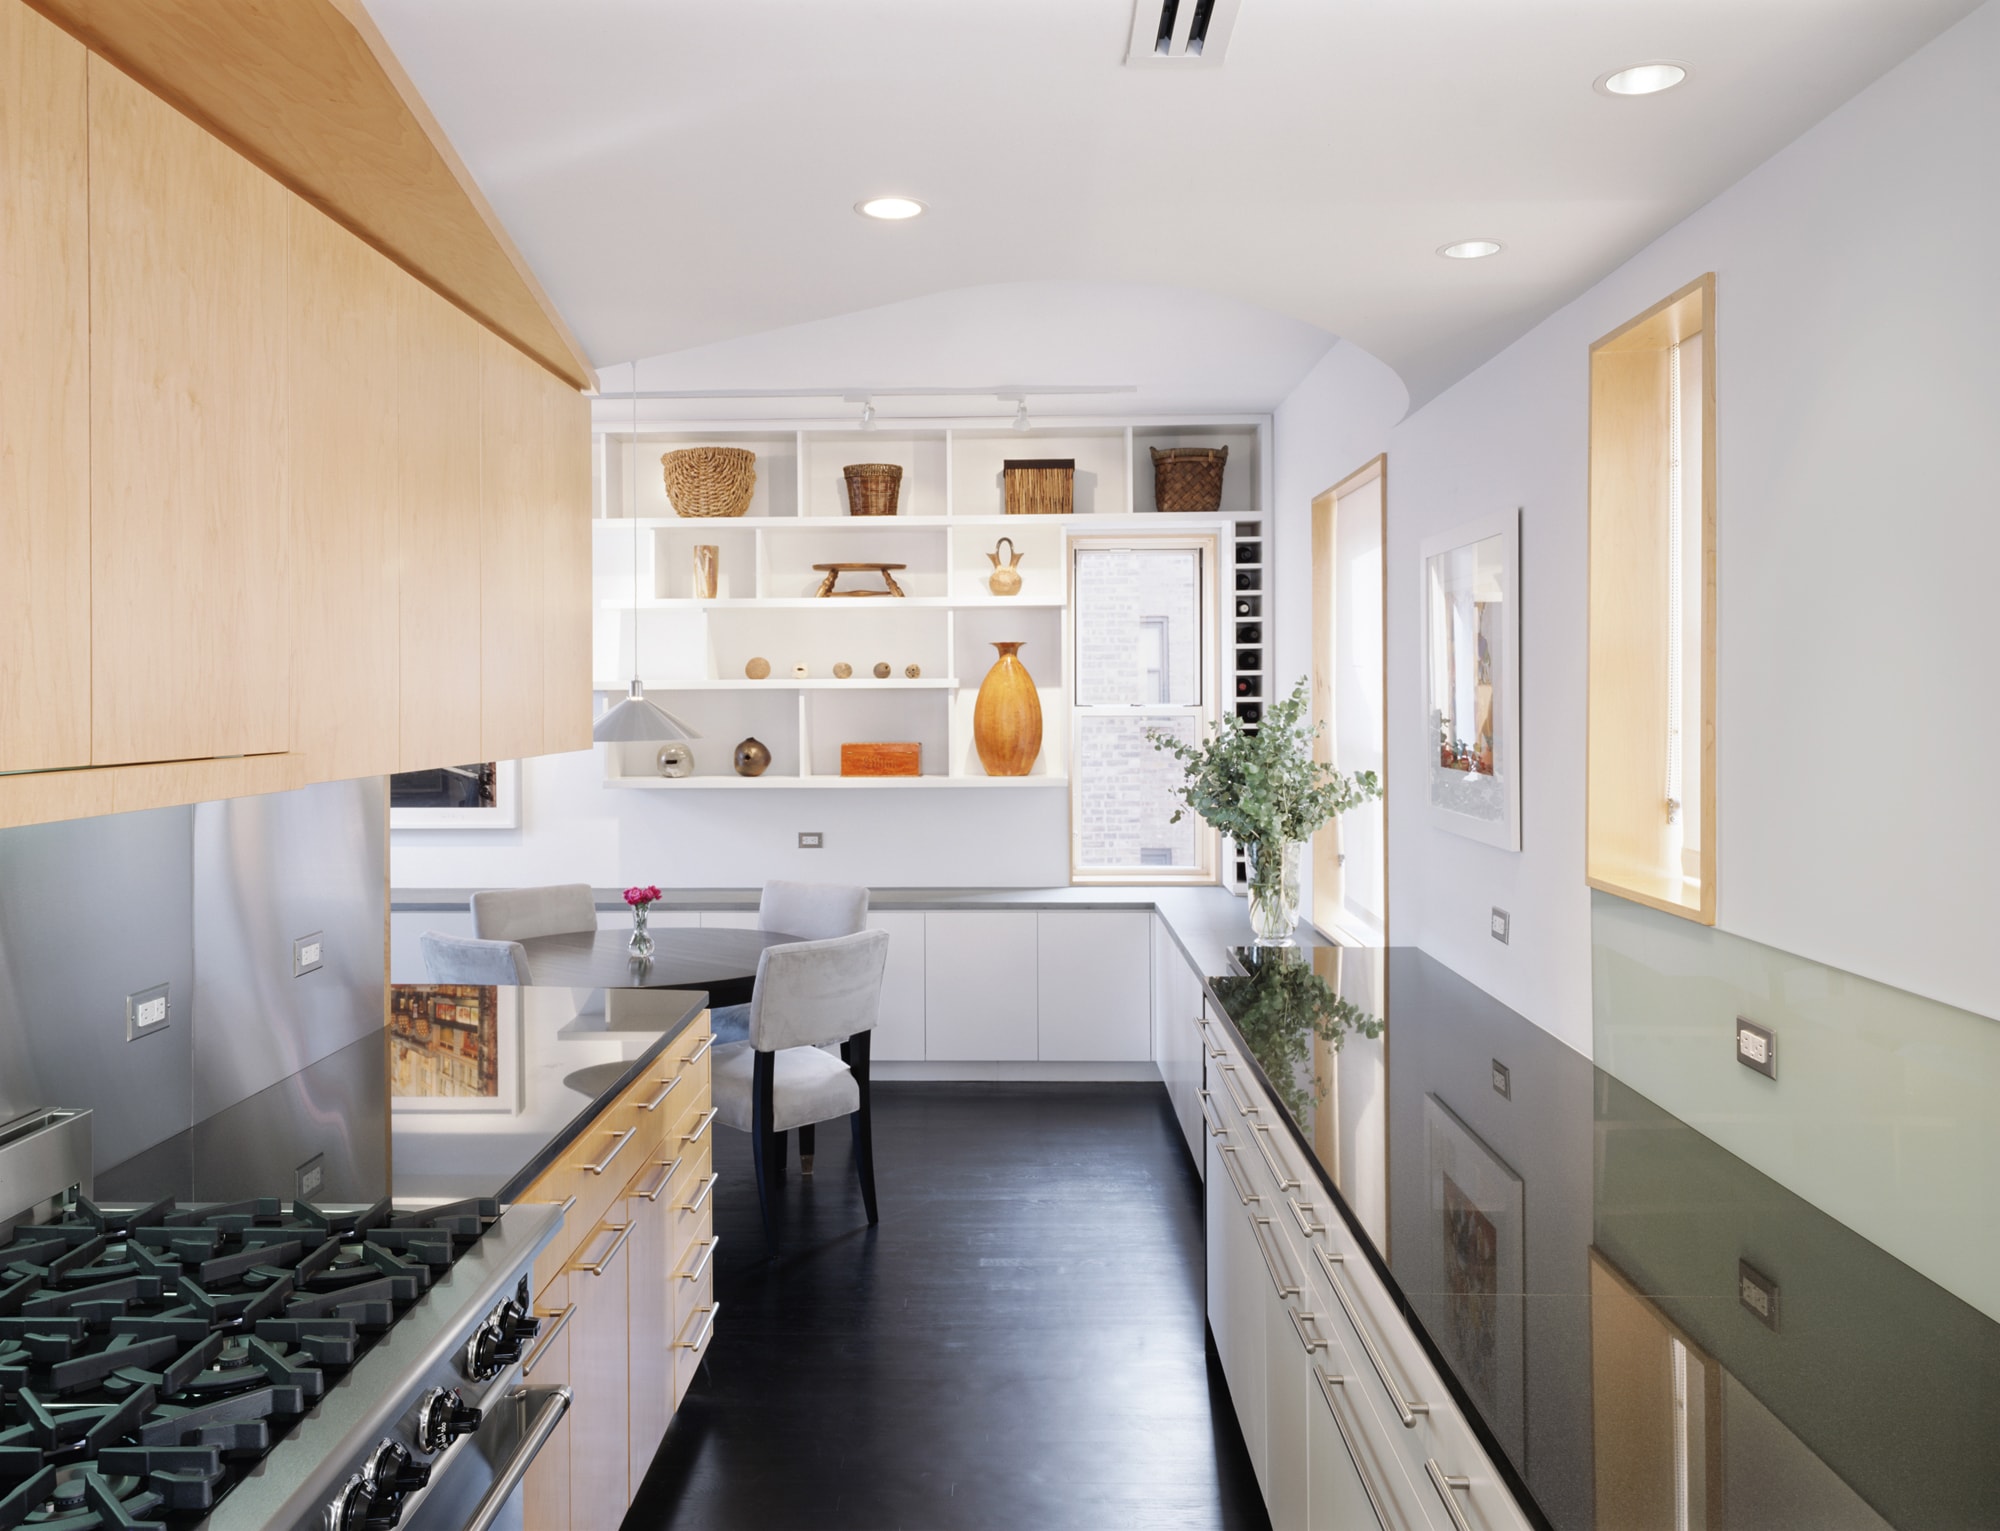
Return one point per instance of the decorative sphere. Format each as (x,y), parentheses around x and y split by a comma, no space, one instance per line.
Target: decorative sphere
(882,671)
(842,670)
(913,671)
(757,669)
(752,758)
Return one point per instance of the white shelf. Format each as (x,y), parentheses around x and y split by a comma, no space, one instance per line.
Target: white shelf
(818,603)
(775,683)
(1150,519)
(836,783)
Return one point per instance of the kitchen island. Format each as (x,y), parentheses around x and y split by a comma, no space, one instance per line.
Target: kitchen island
(605,1113)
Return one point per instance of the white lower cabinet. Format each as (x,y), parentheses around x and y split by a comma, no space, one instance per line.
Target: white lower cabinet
(1094,975)
(1344,1462)
(1177,1040)
(1287,1380)
(899,1033)
(980,990)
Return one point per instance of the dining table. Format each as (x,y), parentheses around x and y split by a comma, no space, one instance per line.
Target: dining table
(724,962)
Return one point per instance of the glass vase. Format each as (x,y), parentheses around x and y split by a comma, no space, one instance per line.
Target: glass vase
(1274,891)
(641,944)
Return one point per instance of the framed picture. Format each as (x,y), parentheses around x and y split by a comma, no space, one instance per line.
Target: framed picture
(1472,679)
(1476,1265)
(454,1047)
(483,795)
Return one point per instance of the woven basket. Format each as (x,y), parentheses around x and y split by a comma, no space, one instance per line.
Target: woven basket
(710,481)
(872,487)
(1189,479)
(1040,486)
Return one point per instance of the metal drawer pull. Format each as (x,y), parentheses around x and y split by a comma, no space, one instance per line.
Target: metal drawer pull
(1444,1485)
(1261,1136)
(1215,1128)
(1207,1043)
(624,1232)
(701,1197)
(1299,1320)
(659,1100)
(1243,1193)
(1306,1216)
(568,1206)
(1236,1097)
(547,1416)
(561,1323)
(1407,1410)
(1326,1383)
(706,1329)
(707,1118)
(670,1166)
(701,1265)
(616,1148)
(1257,1227)
(700,1052)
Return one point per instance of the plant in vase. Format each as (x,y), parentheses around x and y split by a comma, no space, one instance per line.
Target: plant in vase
(1264,790)
(1279,1007)
(640,900)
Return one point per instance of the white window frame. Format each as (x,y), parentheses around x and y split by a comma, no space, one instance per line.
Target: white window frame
(1208,859)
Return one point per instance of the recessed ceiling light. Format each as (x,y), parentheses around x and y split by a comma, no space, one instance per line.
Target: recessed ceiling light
(1470,249)
(1642,79)
(893,209)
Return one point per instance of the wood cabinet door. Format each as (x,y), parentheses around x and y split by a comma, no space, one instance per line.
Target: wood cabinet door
(511,552)
(601,1374)
(566,579)
(44,397)
(649,1313)
(546,1488)
(1094,985)
(979,986)
(189,588)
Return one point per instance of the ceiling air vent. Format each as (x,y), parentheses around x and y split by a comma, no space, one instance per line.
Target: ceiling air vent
(1182,32)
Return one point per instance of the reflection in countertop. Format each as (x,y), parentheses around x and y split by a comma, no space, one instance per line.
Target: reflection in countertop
(560,1056)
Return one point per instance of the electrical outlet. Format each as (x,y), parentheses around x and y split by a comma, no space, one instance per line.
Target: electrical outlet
(1500,926)
(308,952)
(147,1011)
(1503,1080)
(1757,1292)
(1756,1048)
(811,840)
(310,1178)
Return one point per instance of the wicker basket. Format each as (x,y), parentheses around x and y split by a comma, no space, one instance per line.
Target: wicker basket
(872,487)
(1040,486)
(1189,479)
(710,481)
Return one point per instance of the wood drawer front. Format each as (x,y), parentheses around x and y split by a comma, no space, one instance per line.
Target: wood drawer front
(691,1343)
(576,1174)
(693,1205)
(683,1048)
(693,1280)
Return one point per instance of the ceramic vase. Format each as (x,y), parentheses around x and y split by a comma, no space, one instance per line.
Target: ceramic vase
(1005,578)
(752,758)
(1007,718)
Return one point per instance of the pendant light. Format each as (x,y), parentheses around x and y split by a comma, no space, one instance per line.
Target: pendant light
(636,720)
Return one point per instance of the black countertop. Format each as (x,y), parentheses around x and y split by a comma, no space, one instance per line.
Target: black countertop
(558,1067)
(1563,1246)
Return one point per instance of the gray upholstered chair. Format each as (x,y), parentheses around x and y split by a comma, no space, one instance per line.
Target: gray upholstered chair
(808,994)
(815,910)
(515,914)
(454,959)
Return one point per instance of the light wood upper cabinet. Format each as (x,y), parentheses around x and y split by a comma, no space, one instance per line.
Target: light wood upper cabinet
(438,359)
(190,651)
(566,613)
(44,398)
(513,500)
(344,481)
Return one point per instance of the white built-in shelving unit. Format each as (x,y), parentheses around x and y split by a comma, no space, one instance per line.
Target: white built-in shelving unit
(692,652)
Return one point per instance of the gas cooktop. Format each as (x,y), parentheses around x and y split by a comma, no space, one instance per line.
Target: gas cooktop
(151,1358)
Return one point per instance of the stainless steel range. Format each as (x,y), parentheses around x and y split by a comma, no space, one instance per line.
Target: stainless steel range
(259,1364)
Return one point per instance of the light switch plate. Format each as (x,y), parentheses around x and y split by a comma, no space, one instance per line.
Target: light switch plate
(1500,925)
(812,840)
(1756,1048)
(308,954)
(1757,1292)
(1503,1080)
(147,1011)
(310,1178)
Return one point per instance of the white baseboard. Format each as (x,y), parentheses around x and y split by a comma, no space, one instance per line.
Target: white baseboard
(1043,1073)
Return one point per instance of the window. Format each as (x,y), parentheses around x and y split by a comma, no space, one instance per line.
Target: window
(1651,750)
(1143,615)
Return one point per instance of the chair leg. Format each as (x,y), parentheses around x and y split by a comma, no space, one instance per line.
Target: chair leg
(780,1146)
(762,1079)
(854,1051)
(806,1149)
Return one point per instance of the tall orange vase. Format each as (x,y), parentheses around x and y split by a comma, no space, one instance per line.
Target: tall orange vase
(1007,718)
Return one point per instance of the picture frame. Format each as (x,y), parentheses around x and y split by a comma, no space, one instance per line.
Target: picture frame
(478,1069)
(505,812)
(1475,1231)
(1471,605)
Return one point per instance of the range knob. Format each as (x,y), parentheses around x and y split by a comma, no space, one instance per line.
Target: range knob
(348,1509)
(498,1342)
(442,1417)
(393,1472)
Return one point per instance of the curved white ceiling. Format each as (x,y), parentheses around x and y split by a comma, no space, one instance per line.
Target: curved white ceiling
(680,173)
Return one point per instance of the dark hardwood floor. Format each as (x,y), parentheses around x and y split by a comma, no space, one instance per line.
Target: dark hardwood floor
(1019,1344)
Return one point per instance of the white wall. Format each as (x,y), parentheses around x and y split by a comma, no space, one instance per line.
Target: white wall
(1858,351)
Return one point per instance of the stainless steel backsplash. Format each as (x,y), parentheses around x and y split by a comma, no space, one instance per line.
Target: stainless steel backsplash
(208,900)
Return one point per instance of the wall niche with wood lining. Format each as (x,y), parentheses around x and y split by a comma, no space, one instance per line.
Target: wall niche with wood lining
(1650,817)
